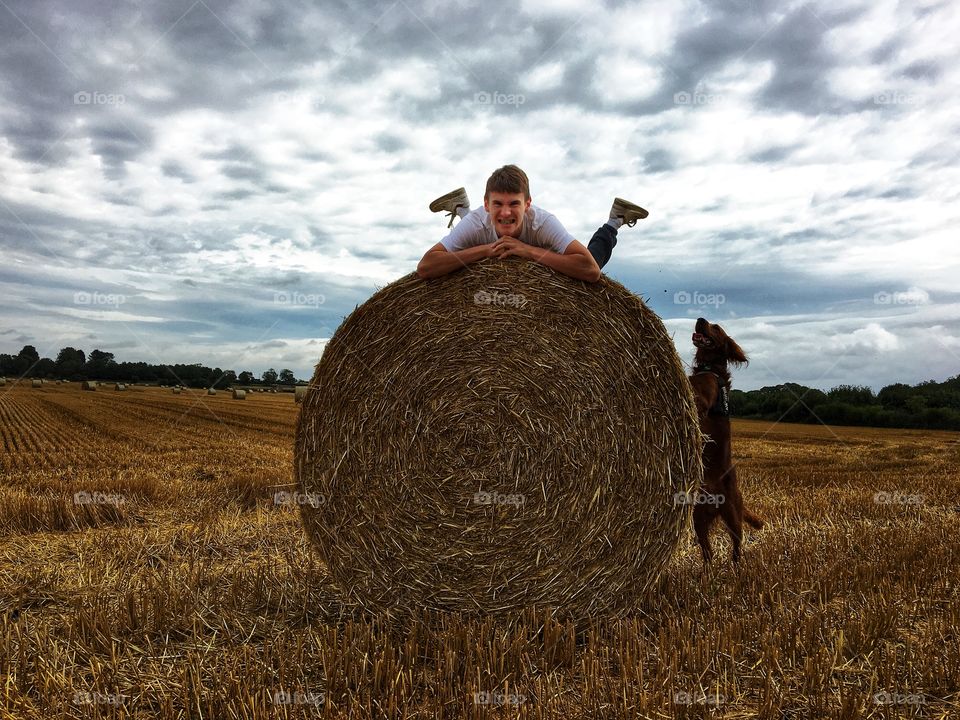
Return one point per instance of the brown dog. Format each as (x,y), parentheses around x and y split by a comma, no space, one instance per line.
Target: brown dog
(720,494)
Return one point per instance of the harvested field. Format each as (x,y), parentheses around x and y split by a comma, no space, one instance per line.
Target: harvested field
(153,564)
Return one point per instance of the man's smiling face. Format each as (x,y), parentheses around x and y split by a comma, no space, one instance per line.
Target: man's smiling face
(506,212)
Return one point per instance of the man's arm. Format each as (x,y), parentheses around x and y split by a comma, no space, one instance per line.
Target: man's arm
(576,261)
(439,261)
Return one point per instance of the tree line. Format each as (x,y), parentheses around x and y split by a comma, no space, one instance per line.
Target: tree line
(929,405)
(74,364)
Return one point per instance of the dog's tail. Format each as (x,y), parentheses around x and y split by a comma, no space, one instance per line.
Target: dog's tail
(752,520)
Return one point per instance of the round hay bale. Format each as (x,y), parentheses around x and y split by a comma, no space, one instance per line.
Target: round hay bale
(89,385)
(3,381)
(239,394)
(176,391)
(498,438)
(36,383)
(211,391)
(299,393)
(119,387)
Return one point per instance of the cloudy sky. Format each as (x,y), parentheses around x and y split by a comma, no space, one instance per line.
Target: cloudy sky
(221,181)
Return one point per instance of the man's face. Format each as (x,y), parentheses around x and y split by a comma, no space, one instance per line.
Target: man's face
(506,212)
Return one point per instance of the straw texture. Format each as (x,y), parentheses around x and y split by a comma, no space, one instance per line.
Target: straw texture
(498,438)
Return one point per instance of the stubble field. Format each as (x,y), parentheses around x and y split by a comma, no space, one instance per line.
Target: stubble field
(149,568)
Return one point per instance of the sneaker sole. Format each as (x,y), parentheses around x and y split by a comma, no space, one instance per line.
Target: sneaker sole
(631,207)
(437,205)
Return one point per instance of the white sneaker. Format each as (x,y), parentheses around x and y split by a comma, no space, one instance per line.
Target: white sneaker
(450,202)
(627,211)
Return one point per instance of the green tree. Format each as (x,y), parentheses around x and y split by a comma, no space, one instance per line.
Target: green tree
(70,362)
(99,365)
(270,377)
(852,395)
(286,377)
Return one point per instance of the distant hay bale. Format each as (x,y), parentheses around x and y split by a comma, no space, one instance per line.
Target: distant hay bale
(176,391)
(119,386)
(299,393)
(36,383)
(239,394)
(3,381)
(89,385)
(498,438)
(211,391)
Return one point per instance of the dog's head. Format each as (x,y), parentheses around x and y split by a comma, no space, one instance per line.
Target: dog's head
(714,346)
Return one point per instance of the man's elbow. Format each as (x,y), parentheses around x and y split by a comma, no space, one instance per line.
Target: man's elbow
(592,273)
(425,269)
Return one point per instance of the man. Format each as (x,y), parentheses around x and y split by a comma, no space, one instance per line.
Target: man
(509,224)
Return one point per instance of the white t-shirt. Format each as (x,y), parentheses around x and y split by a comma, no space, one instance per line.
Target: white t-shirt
(540,229)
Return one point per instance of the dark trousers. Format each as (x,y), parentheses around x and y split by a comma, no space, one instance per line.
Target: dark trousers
(602,244)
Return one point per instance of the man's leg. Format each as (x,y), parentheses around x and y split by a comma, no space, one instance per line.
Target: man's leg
(605,238)
(602,243)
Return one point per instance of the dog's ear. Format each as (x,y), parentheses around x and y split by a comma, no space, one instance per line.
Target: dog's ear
(734,353)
